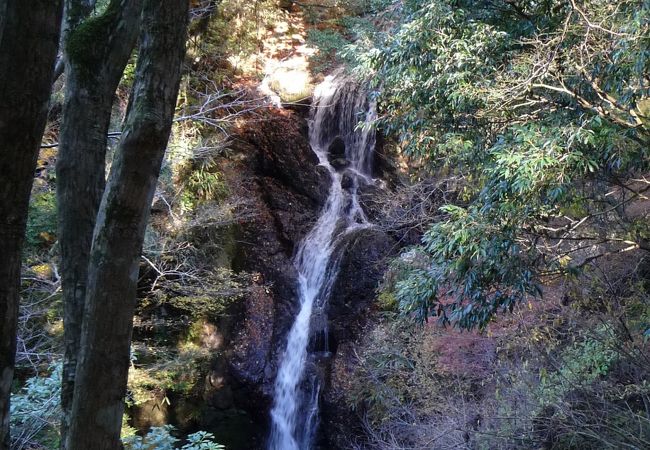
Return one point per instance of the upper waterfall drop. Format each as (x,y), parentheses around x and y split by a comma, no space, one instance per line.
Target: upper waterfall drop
(339,105)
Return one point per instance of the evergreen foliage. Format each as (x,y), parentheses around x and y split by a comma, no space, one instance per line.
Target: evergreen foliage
(538,109)
(35,410)
(41,220)
(160,438)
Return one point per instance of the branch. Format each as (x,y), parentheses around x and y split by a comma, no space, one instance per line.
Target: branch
(597,109)
(632,246)
(110,135)
(593,25)
(305,5)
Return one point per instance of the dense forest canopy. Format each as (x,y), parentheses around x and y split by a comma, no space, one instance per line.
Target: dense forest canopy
(539,111)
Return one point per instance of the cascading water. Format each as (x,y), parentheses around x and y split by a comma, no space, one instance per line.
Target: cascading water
(339,105)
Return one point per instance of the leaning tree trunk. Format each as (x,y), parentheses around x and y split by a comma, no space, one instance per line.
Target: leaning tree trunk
(100,387)
(28,47)
(96,52)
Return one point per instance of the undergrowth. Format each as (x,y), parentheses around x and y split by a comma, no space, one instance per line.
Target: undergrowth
(572,376)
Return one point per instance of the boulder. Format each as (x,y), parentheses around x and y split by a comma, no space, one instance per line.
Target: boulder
(347,180)
(340,163)
(337,148)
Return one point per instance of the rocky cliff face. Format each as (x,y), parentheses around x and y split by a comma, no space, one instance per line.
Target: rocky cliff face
(274,170)
(288,190)
(274,167)
(363,261)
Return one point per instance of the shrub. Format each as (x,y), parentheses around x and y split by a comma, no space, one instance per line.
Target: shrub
(330,44)
(160,438)
(35,411)
(36,408)
(41,220)
(174,371)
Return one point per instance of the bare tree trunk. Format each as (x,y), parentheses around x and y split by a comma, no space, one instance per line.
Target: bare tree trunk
(97,50)
(102,369)
(28,48)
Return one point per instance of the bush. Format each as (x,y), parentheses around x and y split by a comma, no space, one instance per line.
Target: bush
(41,220)
(563,377)
(176,372)
(160,438)
(35,411)
(330,44)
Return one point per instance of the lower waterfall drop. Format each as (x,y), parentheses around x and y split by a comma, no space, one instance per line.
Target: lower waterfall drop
(339,105)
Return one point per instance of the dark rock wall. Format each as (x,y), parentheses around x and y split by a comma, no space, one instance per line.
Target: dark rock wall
(275,171)
(274,167)
(364,259)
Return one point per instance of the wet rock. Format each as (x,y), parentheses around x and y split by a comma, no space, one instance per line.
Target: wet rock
(340,163)
(252,344)
(318,366)
(219,392)
(336,154)
(287,186)
(265,248)
(364,258)
(324,173)
(293,213)
(283,152)
(320,339)
(365,255)
(385,161)
(347,180)
(337,148)
(372,195)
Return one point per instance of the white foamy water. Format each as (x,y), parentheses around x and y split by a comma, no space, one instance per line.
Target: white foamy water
(339,105)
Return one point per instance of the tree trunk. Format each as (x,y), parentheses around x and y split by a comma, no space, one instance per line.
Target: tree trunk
(97,50)
(103,365)
(3,15)
(28,48)
(74,12)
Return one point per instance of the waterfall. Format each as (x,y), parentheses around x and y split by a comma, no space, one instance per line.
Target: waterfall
(339,105)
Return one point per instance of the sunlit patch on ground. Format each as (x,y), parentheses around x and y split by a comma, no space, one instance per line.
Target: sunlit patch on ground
(282,62)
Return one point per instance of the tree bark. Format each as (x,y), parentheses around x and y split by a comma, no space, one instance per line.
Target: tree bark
(3,15)
(102,370)
(74,13)
(97,50)
(28,48)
